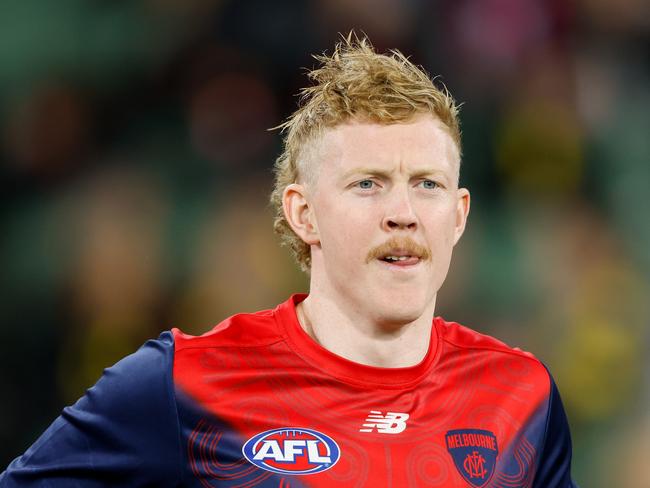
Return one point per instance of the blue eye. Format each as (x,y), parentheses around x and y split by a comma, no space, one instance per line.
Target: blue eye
(366,184)
(429,184)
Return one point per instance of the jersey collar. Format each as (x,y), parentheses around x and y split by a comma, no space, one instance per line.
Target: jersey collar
(344,369)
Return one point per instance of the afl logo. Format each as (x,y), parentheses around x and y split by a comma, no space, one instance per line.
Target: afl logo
(292,451)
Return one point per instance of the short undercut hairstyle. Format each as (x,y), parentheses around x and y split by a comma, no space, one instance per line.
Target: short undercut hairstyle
(355,82)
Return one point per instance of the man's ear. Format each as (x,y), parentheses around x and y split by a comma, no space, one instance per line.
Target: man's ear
(462,211)
(299,213)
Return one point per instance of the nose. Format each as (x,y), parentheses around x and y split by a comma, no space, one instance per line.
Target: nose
(400,214)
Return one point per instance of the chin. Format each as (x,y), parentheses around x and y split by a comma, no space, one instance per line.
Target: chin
(396,311)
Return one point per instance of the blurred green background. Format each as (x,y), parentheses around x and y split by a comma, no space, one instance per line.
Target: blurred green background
(136,164)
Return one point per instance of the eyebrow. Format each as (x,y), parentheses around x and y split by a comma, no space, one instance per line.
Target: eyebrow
(385,174)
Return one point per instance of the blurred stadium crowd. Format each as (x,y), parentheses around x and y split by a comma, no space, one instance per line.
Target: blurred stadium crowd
(136,164)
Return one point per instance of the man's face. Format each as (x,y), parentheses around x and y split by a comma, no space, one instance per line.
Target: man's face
(386,212)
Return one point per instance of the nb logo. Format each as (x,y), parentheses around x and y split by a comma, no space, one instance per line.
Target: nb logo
(391,423)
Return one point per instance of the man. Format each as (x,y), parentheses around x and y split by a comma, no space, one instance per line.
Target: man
(356,384)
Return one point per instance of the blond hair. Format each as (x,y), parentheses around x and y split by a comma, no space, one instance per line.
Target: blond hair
(354,82)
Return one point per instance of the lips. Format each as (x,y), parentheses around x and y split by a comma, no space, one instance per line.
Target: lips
(400,257)
(406,260)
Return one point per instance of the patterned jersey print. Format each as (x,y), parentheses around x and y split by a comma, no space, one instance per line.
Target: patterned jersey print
(257,403)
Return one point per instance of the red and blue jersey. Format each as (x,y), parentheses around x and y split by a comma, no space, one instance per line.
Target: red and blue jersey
(256,402)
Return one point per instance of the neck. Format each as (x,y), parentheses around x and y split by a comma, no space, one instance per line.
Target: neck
(348,333)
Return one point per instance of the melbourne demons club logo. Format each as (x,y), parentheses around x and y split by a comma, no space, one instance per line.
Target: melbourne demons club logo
(474,453)
(292,451)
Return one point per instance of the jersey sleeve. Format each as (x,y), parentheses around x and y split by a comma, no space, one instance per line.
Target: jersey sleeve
(123,432)
(554,464)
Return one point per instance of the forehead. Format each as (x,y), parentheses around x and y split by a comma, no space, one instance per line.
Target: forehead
(422,142)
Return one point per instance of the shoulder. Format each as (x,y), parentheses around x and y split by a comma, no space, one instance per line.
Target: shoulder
(136,380)
(240,330)
(139,387)
(507,379)
(463,337)
(125,427)
(487,350)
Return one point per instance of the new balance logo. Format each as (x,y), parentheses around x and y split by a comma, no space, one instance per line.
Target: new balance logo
(391,423)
